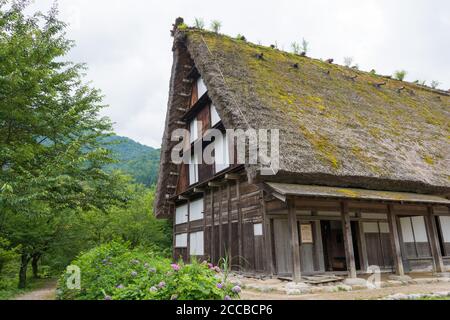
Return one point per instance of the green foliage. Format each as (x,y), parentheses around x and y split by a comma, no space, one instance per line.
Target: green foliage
(199,23)
(434,84)
(400,75)
(134,223)
(305,46)
(241,37)
(134,159)
(7,254)
(216,25)
(182,26)
(51,156)
(348,61)
(295,46)
(116,272)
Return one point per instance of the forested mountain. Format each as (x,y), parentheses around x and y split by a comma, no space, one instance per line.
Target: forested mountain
(135,159)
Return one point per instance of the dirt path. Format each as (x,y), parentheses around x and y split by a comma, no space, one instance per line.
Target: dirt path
(351,295)
(46,292)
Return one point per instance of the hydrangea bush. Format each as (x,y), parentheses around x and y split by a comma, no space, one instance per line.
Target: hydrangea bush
(115,272)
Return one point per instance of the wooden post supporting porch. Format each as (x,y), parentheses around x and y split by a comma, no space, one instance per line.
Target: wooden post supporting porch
(395,242)
(295,245)
(434,241)
(348,240)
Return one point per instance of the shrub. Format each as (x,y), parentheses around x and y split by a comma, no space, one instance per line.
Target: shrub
(215,26)
(199,23)
(434,84)
(348,61)
(114,272)
(400,75)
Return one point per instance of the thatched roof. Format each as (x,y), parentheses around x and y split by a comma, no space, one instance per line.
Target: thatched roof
(338,126)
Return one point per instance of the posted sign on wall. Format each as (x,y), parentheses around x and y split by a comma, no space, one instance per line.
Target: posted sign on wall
(306,233)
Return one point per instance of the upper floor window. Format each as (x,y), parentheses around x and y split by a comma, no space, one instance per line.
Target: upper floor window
(193,129)
(181,214)
(196,210)
(193,169)
(215,119)
(201,88)
(221,153)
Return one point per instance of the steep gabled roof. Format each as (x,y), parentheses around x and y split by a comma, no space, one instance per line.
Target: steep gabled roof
(338,126)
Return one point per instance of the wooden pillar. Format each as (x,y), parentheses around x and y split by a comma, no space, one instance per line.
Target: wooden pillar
(188,230)
(240,231)
(220,223)
(295,246)
(267,238)
(212,227)
(395,242)
(363,247)
(434,241)
(230,223)
(348,240)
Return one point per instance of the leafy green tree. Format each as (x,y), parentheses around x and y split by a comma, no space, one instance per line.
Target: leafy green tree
(51,159)
(400,75)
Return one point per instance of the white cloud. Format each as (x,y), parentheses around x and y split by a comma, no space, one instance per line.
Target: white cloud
(127,45)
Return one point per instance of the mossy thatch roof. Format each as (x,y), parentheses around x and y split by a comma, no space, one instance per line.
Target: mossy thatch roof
(338,126)
(334,120)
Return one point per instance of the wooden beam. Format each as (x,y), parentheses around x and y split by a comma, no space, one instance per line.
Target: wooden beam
(395,241)
(295,245)
(199,190)
(434,241)
(240,231)
(230,230)
(213,184)
(267,238)
(183,198)
(211,241)
(189,231)
(220,223)
(363,247)
(348,240)
(232,176)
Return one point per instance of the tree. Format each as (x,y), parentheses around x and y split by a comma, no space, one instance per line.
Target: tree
(400,75)
(305,46)
(216,25)
(434,84)
(51,159)
(295,47)
(348,61)
(199,23)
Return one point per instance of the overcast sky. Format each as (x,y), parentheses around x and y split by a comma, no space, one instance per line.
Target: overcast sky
(127,44)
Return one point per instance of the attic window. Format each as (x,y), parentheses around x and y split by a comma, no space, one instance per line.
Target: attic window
(193,169)
(221,153)
(193,129)
(215,119)
(201,87)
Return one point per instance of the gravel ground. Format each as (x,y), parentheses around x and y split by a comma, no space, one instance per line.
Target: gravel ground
(47,292)
(351,295)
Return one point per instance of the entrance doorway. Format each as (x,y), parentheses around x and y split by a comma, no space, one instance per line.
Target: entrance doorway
(333,245)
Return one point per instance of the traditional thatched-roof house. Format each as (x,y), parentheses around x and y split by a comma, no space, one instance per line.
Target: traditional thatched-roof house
(364,163)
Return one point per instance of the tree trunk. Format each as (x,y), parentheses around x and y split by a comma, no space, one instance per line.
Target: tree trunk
(23,270)
(34,265)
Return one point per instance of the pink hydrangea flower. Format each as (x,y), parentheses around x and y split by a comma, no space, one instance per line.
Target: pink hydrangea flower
(227,298)
(236,289)
(162,284)
(220,285)
(175,267)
